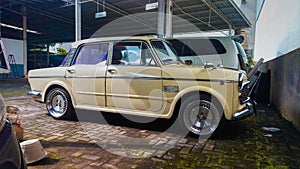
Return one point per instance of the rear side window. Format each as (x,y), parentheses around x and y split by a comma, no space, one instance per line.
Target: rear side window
(92,53)
(133,54)
(68,59)
(196,47)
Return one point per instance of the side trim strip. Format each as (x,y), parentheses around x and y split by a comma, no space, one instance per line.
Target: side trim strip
(43,77)
(139,78)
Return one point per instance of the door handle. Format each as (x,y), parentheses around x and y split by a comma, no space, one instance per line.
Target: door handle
(112,71)
(71,70)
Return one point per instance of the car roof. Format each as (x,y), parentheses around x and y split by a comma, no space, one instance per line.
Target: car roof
(91,40)
(237,38)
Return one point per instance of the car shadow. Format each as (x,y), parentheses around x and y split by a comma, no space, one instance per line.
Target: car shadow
(231,130)
(44,161)
(130,121)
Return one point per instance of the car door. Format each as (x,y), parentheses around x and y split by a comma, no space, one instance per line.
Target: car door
(87,74)
(133,78)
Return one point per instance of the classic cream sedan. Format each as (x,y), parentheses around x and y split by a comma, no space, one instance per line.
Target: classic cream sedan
(141,76)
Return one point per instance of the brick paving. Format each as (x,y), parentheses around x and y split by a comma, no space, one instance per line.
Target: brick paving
(90,144)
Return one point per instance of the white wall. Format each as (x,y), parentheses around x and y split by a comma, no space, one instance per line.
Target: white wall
(277,29)
(14,47)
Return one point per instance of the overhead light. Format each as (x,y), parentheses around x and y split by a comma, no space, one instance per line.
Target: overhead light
(100,14)
(151,6)
(18,28)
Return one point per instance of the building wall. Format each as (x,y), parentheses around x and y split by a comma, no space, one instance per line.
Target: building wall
(277,41)
(277,29)
(15,47)
(285,86)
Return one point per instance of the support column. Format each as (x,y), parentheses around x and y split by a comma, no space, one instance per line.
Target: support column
(161,19)
(24,40)
(231,31)
(0,24)
(48,59)
(77,20)
(169,19)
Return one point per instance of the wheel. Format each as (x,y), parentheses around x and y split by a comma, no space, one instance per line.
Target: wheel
(200,115)
(59,104)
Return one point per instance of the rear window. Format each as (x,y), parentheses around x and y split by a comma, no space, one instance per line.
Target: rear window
(196,47)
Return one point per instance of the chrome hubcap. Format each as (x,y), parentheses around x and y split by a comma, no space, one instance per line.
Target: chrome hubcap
(201,117)
(57,104)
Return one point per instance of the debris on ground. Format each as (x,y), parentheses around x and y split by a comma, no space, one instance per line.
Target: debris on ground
(270,129)
(33,151)
(13,117)
(268,135)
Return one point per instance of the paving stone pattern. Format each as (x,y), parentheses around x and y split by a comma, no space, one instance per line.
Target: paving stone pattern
(77,145)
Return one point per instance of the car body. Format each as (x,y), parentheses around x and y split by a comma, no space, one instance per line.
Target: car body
(224,50)
(11,156)
(141,76)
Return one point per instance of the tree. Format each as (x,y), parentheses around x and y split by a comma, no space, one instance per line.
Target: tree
(61,51)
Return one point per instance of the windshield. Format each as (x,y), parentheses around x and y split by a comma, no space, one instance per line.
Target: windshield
(165,52)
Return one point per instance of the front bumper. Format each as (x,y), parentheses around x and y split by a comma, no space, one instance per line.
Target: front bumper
(34,94)
(247,111)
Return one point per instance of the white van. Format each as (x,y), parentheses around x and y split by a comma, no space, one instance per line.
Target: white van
(219,51)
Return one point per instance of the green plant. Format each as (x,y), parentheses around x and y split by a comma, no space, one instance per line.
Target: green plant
(251,61)
(61,51)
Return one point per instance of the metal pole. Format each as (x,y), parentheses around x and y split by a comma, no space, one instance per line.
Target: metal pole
(48,59)
(77,20)
(0,23)
(169,19)
(230,30)
(24,40)
(161,19)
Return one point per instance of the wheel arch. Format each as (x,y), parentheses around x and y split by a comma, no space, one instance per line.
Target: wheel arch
(56,84)
(201,91)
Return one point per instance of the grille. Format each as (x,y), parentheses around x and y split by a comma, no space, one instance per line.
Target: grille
(244,93)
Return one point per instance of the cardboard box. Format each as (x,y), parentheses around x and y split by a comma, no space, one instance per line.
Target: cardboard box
(19,131)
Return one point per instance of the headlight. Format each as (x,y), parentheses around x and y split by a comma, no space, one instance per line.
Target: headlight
(243,89)
(2,113)
(240,79)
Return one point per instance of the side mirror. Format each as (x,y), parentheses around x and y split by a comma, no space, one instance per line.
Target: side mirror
(188,62)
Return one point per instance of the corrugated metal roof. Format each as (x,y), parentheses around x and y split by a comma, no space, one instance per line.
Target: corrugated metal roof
(55,19)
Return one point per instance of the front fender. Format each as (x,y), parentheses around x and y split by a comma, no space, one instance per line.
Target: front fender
(221,99)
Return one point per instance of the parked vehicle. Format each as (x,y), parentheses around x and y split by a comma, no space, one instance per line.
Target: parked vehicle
(141,76)
(11,156)
(220,51)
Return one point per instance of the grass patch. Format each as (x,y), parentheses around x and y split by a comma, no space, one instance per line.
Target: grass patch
(14,92)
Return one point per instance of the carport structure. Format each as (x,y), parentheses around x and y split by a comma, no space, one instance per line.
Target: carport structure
(50,21)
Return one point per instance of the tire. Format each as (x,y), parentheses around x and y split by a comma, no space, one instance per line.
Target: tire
(200,115)
(59,104)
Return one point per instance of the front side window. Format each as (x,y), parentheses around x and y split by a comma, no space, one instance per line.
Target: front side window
(132,53)
(92,54)
(165,52)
